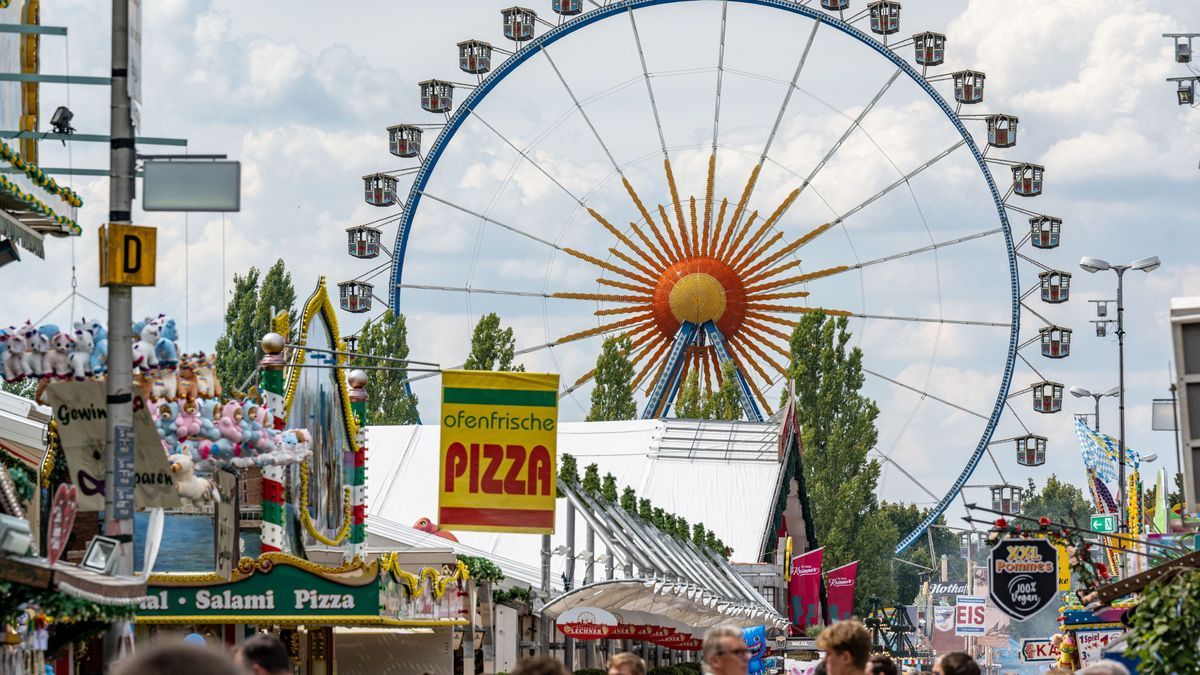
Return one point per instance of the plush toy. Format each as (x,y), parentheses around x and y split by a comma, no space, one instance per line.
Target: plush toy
(56,361)
(208,425)
(266,421)
(252,431)
(185,379)
(755,638)
(206,376)
(14,355)
(191,487)
(80,358)
(188,422)
(99,343)
(230,423)
(166,347)
(36,346)
(165,384)
(144,355)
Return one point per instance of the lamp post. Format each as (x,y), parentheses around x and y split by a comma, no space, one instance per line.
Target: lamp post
(1094,265)
(1080,392)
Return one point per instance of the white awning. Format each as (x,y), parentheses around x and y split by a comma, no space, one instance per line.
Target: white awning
(679,606)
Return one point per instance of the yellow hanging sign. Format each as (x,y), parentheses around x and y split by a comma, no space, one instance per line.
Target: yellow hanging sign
(127,255)
(498,468)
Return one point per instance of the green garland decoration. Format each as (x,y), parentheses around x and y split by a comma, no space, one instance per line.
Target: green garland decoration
(1092,573)
(1165,625)
(72,619)
(39,176)
(482,569)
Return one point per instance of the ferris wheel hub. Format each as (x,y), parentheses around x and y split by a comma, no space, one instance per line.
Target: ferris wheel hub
(697,297)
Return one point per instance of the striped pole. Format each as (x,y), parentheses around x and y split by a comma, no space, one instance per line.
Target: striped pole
(274,490)
(357,379)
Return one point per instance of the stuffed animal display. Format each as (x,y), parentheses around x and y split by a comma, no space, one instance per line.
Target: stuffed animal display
(755,638)
(240,434)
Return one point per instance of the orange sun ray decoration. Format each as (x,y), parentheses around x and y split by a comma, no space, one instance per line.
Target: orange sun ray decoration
(703,270)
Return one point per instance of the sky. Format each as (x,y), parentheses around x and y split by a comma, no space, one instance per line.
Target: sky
(302,99)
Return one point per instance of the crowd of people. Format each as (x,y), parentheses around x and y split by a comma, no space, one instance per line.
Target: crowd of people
(847,647)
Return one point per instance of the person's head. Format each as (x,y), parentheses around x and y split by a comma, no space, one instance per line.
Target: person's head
(724,652)
(539,665)
(626,663)
(1105,667)
(847,646)
(176,658)
(955,663)
(264,654)
(881,664)
(820,668)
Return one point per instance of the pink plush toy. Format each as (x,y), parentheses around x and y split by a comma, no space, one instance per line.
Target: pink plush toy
(230,423)
(188,422)
(57,361)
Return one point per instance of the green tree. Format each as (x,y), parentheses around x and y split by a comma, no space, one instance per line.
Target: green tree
(389,401)
(1059,501)
(629,501)
(492,347)
(906,518)
(726,402)
(612,397)
(690,402)
(591,480)
(698,534)
(276,292)
(609,490)
(568,470)
(237,347)
(645,510)
(838,426)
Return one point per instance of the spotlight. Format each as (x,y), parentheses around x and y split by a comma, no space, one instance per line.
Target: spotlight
(61,120)
(100,556)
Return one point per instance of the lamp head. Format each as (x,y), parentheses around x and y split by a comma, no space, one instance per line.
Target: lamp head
(1149,457)
(1080,392)
(1112,392)
(1093,265)
(1146,264)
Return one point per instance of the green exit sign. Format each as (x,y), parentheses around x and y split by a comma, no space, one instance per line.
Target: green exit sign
(1104,522)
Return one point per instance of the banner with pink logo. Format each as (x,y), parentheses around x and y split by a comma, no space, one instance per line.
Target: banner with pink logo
(804,589)
(839,591)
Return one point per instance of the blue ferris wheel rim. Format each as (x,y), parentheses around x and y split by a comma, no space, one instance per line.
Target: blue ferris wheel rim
(540,42)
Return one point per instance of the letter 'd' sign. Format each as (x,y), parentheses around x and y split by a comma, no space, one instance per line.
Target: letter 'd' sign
(127,255)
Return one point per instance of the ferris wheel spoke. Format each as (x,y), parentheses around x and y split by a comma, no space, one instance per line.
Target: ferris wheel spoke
(787,96)
(720,77)
(493,221)
(904,471)
(1031,366)
(525,156)
(849,130)
(737,239)
(644,317)
(488,291)
(679,253)
(582,112)
(656,359)
(925,394)
(901,181)
(959,322)
(637,38)
(739,359)
(608,266)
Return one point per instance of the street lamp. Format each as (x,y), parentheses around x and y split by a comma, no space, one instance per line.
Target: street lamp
(1080,392)
(1142,265)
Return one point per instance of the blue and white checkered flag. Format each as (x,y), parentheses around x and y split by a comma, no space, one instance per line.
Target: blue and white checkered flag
(1100,452)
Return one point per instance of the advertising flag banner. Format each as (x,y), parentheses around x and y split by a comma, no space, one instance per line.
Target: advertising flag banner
(804,589)
(839,590)
(1023,576)
(498,451)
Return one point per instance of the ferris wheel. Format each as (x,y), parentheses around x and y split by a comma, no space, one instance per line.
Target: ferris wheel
(695,175)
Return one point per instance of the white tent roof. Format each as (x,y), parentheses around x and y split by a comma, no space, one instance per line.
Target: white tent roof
(723,474)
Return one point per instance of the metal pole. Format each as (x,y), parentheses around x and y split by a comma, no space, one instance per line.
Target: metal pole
(1124,523)
(544,623)
(118,498)
(569,583)
(1175,425)
(1096,397)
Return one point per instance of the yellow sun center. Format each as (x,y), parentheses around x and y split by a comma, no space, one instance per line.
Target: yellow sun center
(697,297)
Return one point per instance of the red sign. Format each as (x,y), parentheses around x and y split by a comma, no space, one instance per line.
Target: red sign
(1038,650)
(585,631)
(804,589)
(62,520)
(839,590)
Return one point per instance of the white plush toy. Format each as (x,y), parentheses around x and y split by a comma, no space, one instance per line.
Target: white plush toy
(144,355)
(14,355)
(36,345)
(57,362)
(80,358)
(190,486)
